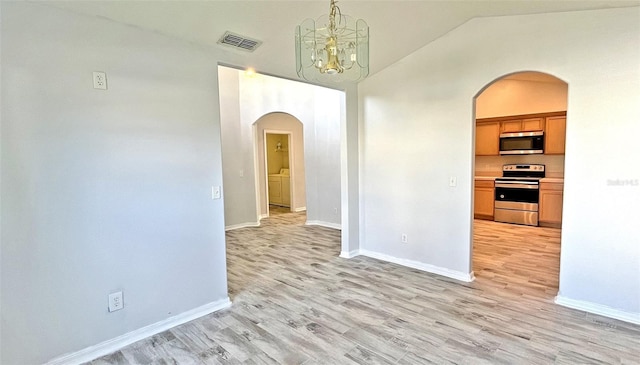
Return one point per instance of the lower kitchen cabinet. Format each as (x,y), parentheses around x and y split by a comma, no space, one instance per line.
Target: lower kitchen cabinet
(551,204)
(483,199)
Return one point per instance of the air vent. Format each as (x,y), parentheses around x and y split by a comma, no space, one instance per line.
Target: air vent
(239,42)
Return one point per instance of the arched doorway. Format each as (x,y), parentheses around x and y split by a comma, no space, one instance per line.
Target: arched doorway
(291,169)
(520,123)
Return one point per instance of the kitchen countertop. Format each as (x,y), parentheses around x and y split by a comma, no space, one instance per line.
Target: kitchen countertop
(553,180)
(487,178)
(546,179)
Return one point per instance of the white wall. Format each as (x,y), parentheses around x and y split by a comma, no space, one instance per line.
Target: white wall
(425,119)
(318,109)
(350,173)
(0,183)
(282,122)
(238,165)
(103,190)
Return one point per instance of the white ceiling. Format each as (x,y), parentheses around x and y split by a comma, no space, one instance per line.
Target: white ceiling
(397,28)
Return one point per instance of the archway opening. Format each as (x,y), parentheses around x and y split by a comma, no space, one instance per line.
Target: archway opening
(280,170)
(520,124)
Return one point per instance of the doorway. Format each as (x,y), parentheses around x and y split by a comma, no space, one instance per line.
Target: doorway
(521,257)
(277,162)
(280,167)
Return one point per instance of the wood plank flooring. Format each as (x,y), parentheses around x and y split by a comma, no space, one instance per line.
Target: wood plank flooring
(296,302)
(516,257)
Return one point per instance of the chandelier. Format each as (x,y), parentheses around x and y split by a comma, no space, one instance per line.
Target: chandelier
(333,48)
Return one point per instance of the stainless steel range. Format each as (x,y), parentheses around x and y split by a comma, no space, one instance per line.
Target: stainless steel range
(517,194)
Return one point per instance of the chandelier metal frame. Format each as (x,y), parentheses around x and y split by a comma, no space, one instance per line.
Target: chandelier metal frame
(332,48)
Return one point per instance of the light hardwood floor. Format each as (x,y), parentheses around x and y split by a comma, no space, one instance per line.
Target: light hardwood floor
(296,302)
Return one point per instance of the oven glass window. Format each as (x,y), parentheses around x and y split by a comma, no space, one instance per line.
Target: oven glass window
(517,195)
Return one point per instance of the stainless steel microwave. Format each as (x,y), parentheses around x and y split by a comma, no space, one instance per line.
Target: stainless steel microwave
(522,143)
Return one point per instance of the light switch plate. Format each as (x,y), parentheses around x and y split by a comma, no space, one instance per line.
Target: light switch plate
(215,192)
(453,181)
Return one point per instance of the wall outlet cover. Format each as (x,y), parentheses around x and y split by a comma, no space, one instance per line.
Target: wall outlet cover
(115,301)
(99,80)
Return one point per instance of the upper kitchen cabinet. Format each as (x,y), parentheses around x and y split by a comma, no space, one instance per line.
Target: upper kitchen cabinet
(487,138)
(522,125)
(553,124)
(555,135)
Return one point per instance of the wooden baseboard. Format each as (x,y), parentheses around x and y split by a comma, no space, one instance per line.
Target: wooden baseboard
(550,224)
(484,217)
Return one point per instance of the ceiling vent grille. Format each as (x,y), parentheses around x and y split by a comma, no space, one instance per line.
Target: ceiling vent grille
(239,42)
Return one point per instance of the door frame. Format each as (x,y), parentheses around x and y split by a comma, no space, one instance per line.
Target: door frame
(266,165)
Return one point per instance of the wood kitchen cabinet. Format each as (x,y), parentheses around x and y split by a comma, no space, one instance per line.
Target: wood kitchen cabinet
(522,125)
(487,138)
(550,204)
(553,124)
(483,199)
(556,130)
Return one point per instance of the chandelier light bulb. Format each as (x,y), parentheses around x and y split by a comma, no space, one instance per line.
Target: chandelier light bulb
(336,48)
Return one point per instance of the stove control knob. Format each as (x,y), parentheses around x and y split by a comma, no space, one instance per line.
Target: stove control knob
(501,196)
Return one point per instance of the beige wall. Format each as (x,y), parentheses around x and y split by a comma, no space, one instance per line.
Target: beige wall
(512,97)
(492,165)
(277,159)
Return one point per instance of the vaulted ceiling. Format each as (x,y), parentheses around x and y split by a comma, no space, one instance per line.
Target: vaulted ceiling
(397,28)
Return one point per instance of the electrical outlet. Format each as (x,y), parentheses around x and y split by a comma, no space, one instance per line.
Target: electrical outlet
(99,80)
(404,238)
(215,192)
(115,301)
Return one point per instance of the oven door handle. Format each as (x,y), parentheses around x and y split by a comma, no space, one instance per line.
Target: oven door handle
(520,185)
